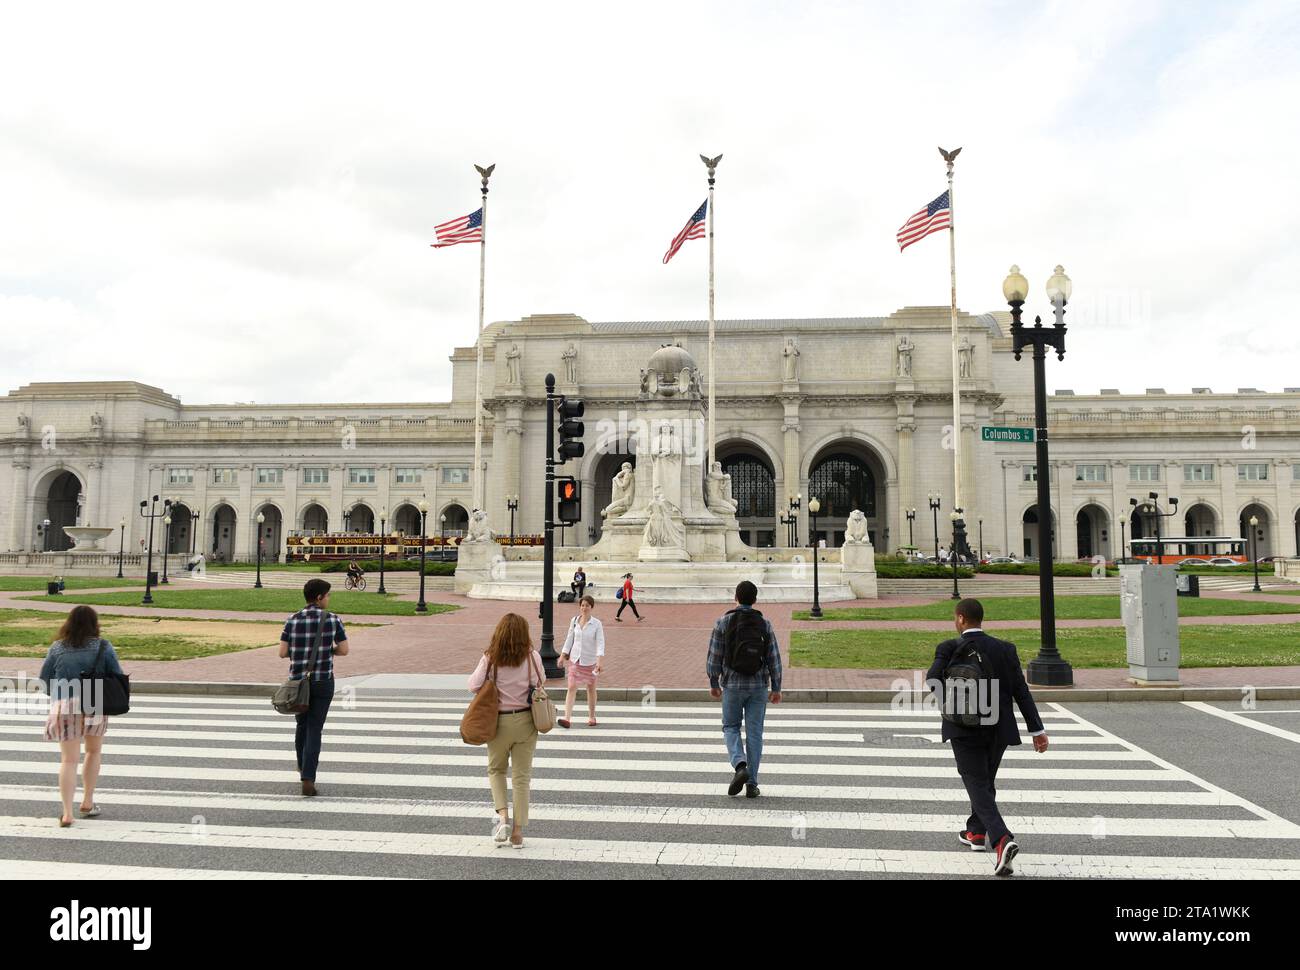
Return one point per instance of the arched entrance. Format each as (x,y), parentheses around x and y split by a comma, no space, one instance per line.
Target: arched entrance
(182,529)
(753,487)
(1029,524)
(223,521)
(453,521)
(315,519)
(359,519)
(1199,520)
(61,509)
(1263,534)
(270,533)
(844,476)
(602,479)
(406,519)
(1093,530)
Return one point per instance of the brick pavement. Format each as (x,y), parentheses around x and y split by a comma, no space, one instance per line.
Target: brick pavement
(666,649)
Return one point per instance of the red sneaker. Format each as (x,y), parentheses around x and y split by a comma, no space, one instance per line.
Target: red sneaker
(1006,850)
(977,841)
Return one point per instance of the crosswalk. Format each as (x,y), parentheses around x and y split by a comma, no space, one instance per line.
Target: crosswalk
(204,788)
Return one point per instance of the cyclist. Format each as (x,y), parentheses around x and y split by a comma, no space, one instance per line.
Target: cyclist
(354,572)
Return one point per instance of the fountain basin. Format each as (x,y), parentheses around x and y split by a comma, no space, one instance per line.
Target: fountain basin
(87,537)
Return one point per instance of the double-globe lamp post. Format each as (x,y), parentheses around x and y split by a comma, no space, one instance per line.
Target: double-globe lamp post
(423,506)
(1254,549)
(167,547)
(512,503)
(935,502)
(911,540)
(1049,668)
(121,546)
(151,505)
(261,517)
(383,541)
(814,507)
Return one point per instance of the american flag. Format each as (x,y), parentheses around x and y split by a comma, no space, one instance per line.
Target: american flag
(694,229)
(935,216)
(466,229)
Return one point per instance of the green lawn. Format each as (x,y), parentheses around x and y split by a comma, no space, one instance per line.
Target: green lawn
(1202,646)
(37,583)
(1098,607)
(29,633)
(284,601)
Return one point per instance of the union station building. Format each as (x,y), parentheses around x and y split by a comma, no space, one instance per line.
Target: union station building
(856,411)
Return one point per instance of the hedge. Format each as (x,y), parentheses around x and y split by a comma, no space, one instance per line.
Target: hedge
(898,570)
(1031,569)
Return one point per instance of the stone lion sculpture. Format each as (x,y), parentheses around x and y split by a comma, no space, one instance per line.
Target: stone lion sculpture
(478,530)
(856,530)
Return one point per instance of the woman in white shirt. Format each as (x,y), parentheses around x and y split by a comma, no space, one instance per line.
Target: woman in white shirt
(583,653)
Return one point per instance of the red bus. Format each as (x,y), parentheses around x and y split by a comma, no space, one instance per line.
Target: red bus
(1177,549)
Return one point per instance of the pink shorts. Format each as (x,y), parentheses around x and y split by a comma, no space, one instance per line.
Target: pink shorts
(580,676)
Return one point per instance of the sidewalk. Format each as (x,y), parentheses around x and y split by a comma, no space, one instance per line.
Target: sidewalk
(666,650)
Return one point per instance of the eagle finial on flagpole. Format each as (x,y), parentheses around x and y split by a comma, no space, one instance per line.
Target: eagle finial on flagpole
(486,173)
(712,164)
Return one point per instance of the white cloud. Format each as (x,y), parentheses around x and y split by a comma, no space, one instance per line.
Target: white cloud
(204,202)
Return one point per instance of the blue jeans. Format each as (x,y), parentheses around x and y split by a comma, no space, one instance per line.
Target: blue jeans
(310,725)
(752,706)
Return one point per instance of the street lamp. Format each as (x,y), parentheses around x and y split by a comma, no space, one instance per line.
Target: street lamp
(1254,549)
(194,531)
(512,503)
(347,522)
(167,546)
(442,536)
(911,518)
(1151,507)
(261,517)
(423,506)
(958,542)
(151,514)
(45,535)
(980,556)
(383,518)
(795,502)
(935,502)
(1049,668)
(814,507)
(121,546)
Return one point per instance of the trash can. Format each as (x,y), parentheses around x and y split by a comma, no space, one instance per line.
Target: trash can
(52,589)
(1189,585)
(153,577)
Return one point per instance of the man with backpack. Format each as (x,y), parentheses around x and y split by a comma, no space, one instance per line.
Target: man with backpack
(743,658)
(975,677)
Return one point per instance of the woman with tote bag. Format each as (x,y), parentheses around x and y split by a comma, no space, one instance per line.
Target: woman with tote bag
(515,670)
(76,659)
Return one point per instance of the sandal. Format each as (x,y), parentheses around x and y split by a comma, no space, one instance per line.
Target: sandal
(591,722)
(63,824)
(501,832)
(92,812)
(564,722)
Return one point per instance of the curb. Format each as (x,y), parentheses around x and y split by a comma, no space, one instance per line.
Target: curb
(800,696)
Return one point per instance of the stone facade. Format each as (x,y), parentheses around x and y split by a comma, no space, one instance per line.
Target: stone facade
(873,394)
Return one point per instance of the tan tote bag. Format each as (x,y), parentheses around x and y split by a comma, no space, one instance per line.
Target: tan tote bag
(542,706)
(479,724)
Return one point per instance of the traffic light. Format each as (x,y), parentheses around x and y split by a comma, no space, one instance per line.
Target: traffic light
(570,430)
(569,495)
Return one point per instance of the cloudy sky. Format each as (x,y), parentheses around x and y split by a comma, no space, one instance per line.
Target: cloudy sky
(235,202)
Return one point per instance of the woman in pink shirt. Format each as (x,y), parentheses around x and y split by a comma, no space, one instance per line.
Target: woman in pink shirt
(516,667)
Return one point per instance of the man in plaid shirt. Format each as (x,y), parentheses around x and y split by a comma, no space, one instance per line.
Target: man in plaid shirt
(744,695)
(298,644)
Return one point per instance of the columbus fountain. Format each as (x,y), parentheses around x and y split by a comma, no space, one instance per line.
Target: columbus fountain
(670,524)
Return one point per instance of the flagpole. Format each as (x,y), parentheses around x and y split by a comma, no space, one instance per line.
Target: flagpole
(477,491)
(712,165)
(956,381)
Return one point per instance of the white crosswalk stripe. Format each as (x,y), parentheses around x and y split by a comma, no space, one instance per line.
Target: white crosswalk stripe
(204,787)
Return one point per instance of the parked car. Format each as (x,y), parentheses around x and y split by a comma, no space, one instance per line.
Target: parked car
(995,560)
(1222,561)
(1192,562)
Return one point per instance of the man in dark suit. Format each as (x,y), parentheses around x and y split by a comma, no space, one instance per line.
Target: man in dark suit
(979,750)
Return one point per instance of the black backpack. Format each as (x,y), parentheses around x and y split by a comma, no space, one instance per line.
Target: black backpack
(115,694)
(968,683)
(746,642)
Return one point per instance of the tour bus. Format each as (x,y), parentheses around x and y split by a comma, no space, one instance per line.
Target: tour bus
(326,546)
(1176,549)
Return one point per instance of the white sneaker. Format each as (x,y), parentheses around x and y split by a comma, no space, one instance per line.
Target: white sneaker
(501,832)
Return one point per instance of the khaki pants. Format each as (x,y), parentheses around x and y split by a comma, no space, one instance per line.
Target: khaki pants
(515,742)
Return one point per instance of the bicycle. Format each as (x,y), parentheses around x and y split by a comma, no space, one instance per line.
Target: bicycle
(359,583)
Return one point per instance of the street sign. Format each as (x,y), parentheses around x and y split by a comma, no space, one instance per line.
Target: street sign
(1008,434)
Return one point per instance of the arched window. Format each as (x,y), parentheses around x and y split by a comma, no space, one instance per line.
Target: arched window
(841,483)
(752,486)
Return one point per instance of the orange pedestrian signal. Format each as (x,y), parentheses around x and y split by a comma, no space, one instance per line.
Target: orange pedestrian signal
(569,495)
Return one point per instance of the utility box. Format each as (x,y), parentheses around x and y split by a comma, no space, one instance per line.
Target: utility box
(1189,585)
(1149,605)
